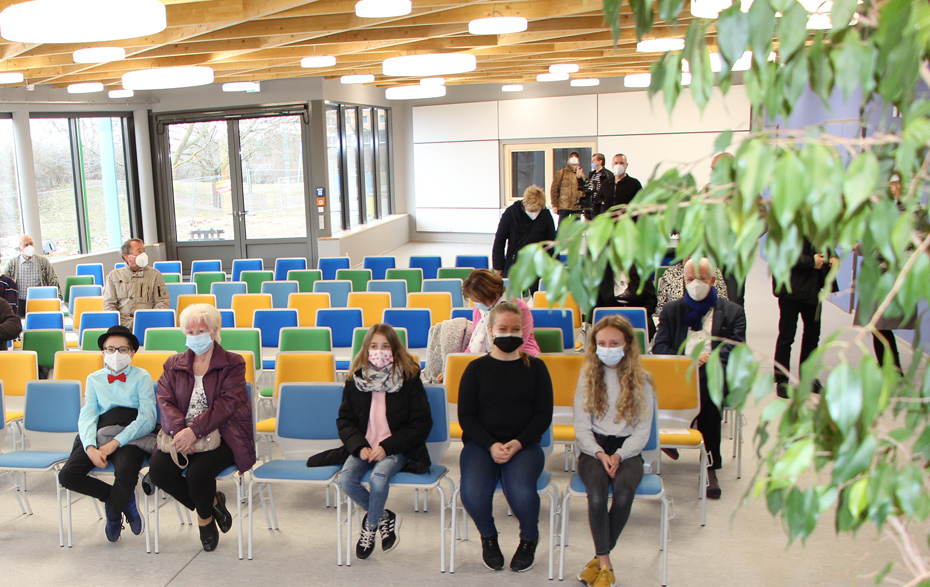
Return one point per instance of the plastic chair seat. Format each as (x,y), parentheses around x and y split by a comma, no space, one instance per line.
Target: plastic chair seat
(13,415)
(650,485)
(563,432)
(295,470)
(32,459)
(267,425)
(680,438)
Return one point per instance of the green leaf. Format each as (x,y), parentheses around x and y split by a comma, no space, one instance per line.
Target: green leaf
(844,397)
(723,141)
(788,188)
(842,13)
(761,28)
(858,497)
(643,13)
(846,58)
(797,459)
(880,577)
(599,233)
(909,490)
(801,512)
(861,179)
(612,17)
(670,9)
(792,31)
(714,371)
(733,32)
(821,70)
(754,168)
(741,372)
(854,458)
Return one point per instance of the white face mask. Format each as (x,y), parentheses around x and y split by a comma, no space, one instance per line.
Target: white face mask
(29,251)
(117,361)
(532,215)
(619,169)
(610,356)
(142,260)
(573,161)
(698,290)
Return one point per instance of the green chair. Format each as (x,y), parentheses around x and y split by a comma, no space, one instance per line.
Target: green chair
(244,339)
(358,277)
(641,337)
(45,342)
(89,340)
(76,280)
(549,339)
(413,277)
(254,279)
(304,278)
(166,339)
(455,273)
(305,338)
(204,279)
(171,277)
(358,335)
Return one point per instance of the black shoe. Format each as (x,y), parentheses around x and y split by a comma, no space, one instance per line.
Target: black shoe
(713,487)
(491,553)
(781,390)
(114,525)
(147,486)
(818,386)
(209,536)
(221,514)
(671,453)
(133,517)
(525,556)
(366,540)
(389,528)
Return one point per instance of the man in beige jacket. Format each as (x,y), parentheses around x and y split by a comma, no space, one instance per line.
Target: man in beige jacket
(135,286)
(564,193)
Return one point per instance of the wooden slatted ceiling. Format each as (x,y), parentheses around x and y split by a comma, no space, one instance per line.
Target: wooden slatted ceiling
(254,40)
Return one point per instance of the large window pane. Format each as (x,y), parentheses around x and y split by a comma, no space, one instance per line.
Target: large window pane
(368,161)
(529,168)
(272,177)
(200,181)
(11,225)
(333,161)
(51,146)
(106,197)
(384,165)
(352,164)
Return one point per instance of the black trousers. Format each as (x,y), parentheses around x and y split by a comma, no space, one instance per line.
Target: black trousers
(563,214)
(708,420)
(880,347)
(127,461)
(788,312)
(606,525)
(195,486)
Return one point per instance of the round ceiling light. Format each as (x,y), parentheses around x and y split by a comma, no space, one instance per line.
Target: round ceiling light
(512,88)
(242,87)
(497,25)
(11,77)
(414,92)
(99,55)
(585,82)
(318,61)
(563,68)
(433,81)
(552,77)
(167,78)
(637,80)
(713,8)
(121,93)
(84,21)
(429,65)
(382,8)
(362,78)
(85,88)
(661,45)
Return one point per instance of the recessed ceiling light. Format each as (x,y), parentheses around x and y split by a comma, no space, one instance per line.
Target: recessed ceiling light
(414,92)
(497,25)
(382,8)
(563,68)
(585,82)
(433,81)
(512,88)
(429,65)
(637,80)
(318,61)
(11,77)
(242,87)
(121,93)
(361,78)
(167,78)
(661,45)
(713,8)
(87,21)
(99,55)
(85,88)
(552,77)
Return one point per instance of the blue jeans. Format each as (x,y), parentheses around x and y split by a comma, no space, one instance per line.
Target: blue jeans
(518,476)
(350,480)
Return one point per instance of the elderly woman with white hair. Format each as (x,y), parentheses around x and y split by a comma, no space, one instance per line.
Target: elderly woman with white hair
(525,222)
(202,391)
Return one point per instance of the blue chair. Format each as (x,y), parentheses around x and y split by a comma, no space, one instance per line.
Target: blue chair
(179,289)
(636,316)
(284,264)
(269,323)
(379,265)
(229,318)
(306,425)
(474,261)
(453,286)
(118,265)
(417,321)
(50,421)
(555,318)
(205,265)
(94,269)
(44,320)
(429,264)
(396,287)
(167,266)
(145,319)
(342,322)
(338,291)
(467,313)
(42,292)
(225,290)
(78,291)
(279,291)
(240,265)
(329,266)
(96,320)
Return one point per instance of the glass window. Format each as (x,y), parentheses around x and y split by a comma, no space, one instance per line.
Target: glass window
(529,168)
(384,166)
(103,177)
(350,116)
(333,160)
(58,218)
(200,181)
(11,225)
(368,162)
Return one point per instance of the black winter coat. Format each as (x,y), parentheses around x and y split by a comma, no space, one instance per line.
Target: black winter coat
(408,415)
(516,230)
(806,281)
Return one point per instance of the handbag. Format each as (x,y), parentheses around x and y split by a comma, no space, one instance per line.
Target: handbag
(207,443)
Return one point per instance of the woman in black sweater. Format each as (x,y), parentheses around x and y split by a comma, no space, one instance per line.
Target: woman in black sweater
(505,406)
(525,222)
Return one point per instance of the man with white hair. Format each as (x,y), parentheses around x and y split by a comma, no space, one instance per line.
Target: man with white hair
(702,319)
(30,269)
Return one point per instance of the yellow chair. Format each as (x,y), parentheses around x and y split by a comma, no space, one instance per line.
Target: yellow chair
(299,367)
(77,365)
(18,369)
(541,300)
(564,371)
(185,300)
(152,361)
(85,304)
(43,305)
(306,304)
(455,367)
(372,303)
(244,306)
(439,303)
(678,403)
(249,365)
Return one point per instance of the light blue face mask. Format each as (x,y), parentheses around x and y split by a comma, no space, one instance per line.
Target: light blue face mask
(610,356)
(199,343)
(483,308)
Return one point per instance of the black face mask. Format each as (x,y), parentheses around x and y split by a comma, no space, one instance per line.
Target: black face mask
(508,342)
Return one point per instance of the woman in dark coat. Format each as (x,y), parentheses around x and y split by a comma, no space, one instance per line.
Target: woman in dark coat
(525,222)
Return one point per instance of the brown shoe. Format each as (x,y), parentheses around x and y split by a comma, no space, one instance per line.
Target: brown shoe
(713,487)
(671,453)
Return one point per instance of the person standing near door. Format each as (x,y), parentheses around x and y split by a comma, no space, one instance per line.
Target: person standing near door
(135,286)
(564,192)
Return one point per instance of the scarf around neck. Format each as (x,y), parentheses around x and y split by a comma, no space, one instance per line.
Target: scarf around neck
(379,379)
(698,309)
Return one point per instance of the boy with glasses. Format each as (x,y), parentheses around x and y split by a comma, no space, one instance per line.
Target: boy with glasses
(116,425)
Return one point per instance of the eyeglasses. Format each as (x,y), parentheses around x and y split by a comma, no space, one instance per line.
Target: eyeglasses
(123,350)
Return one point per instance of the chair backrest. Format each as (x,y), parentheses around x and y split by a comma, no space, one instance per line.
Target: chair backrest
(167,267)
(564,371)
(279,291)
(179,289)
(305,278)
(329,265)
(556,318)
(35,320)
(77,365)
(45,343)
(549,340)
(204,279)
(439,303)
(428,264)
(152,361)
(342,322)
(438,441)
(240,265)
(467,313)
(18,368)
(358,336)
(474,261)
(306,418)
(79,291)
(89,338)
(118,265)
(453,286)
(304,367)
(650,452)
(95,270)
(243,339)
(225,290)
(270,321)
(396,287)
(642,338)
(186,300)
(676,386)
(84,304)
(229,318)
(48,292)
(454,273)
(541,301)
(145,319)
(338,291)
(358,277)
(413,277)
(379,265)
(372,303)
(455,367)
(306,304)
(416,321)
(244,305)
(636,316)
(171,278)
(43,305)
(305,339)
(165,339)
(284,265)
(97,320)
(51,414)
(254,279)
(205,265)
(249,367)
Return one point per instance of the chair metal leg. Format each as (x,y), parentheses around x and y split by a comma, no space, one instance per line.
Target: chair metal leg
(416,500)
(237,479)
(251,519)
(455,520)
(553,504)
(563,541)
(703,486)
(148,535)
(61,533)
(338,524)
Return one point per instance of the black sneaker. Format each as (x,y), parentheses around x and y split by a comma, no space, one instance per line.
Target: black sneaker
(817,386)
(209,536)
(389,528)
(713,487)
(491,553)
(366,540)
(781,390)
(132,515)
(221,514)
(525,556)
(114,525)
